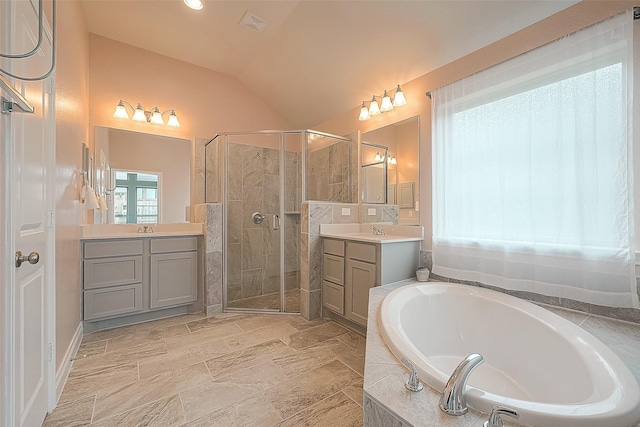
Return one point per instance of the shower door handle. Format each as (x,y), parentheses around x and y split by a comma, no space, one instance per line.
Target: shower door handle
(257,217)
(276,222)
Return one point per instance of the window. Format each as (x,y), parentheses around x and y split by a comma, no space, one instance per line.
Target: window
(533,170)
(136,198)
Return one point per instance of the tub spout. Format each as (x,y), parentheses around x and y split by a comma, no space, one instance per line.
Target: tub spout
(452,400)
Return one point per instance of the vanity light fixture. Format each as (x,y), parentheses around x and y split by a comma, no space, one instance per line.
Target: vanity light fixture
(378,157)
(392,160)
(194,4)
(386,104)
(141,115)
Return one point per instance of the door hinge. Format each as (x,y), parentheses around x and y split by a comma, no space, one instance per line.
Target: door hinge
(52,218)
(50,352)
(52,87)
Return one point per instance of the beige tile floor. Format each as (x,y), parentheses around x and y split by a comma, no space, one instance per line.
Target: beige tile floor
(229,370)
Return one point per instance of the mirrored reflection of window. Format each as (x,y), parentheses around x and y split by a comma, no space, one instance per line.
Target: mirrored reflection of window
(136,198)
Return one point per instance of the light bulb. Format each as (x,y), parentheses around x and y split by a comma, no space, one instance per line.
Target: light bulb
(156,117)
(173,120)
(194,4)
(386,103)
(138,115)
(398,98)
(364,113)
(121,111)
(374,108)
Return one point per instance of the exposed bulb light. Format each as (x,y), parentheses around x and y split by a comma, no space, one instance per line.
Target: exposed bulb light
(386,106)
(399,99)
(121,111)
(141,115)
(374,108)
(194,4)
(364,113)
(156,117)
(386,103)
(173,120)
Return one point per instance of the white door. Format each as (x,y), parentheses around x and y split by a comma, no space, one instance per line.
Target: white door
(30,148)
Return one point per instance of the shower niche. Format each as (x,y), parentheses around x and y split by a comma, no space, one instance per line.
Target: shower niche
(262,178)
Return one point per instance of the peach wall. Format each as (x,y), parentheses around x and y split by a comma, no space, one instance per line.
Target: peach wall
(565,22)
(71,131)
(206,102)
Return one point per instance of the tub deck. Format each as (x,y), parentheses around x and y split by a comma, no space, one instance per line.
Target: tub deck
(388,403)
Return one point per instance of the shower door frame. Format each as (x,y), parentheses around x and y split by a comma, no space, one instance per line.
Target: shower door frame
(281,215)
(223,149)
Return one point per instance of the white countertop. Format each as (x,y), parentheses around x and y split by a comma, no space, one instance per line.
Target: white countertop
(363,233)
(130,231)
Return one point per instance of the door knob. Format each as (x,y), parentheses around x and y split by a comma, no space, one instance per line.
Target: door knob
(257,218)
(32,258)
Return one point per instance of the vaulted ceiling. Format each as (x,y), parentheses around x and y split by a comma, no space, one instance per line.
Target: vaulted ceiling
(316,59)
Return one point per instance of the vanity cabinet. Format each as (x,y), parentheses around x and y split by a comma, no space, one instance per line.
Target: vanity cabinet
(351,268)
(173,271)
(127,277)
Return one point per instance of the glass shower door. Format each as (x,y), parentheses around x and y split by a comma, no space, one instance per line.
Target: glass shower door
(253,184)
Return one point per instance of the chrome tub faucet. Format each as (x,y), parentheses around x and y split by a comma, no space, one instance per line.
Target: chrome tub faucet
(453,401)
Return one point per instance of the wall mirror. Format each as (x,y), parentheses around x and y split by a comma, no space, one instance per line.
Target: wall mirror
(144,178)
(392,178)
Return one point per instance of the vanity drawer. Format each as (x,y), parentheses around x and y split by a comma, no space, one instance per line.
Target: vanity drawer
(174,244)
(333,269)
(112,271)
(361,251)
(333,297)
(115,301)
(334,247)
(112,248)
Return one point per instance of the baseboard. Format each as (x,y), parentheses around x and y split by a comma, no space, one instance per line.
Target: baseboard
(65,368)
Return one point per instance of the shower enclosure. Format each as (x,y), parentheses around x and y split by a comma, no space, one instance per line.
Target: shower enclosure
(264,177)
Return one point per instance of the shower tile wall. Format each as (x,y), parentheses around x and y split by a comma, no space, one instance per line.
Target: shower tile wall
(254,249)
(328,174)
(210,214)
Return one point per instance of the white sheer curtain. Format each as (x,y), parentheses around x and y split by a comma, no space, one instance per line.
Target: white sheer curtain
(533,170)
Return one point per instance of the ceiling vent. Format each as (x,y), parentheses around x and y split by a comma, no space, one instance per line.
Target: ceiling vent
(254,22)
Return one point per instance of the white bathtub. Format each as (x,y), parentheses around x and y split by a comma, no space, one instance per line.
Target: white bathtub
(551,371)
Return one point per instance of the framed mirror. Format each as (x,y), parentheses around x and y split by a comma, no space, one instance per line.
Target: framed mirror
(144,178)
(399,177)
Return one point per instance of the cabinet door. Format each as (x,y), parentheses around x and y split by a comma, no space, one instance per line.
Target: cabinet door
(174,279)
(361,276)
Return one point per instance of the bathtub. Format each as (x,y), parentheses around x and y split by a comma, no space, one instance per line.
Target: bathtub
(548,369)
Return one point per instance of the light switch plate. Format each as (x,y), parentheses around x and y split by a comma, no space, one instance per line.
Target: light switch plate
(346,211)
(371,211)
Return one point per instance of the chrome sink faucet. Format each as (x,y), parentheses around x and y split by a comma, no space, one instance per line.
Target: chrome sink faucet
(377,231)
(145,229)
(453,401)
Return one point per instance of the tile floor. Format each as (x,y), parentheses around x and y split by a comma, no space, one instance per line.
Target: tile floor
(229,370)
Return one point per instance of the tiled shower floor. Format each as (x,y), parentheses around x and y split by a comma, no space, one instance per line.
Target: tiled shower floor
(230,370)
(270,301)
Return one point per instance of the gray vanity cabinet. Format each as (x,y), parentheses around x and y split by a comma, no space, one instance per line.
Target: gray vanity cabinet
(134,277)
(173,271)
(350,268)
(112,278)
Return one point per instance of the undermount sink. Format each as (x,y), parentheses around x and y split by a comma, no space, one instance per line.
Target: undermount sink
(363,232)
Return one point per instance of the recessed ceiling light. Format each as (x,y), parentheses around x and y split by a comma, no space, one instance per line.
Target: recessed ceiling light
(252,21)
(194,4)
